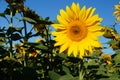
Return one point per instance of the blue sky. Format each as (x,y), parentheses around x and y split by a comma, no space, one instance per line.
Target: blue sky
(44,8)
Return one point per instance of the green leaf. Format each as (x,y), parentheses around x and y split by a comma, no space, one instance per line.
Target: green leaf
(111,42)
(7,11)
(39,45)
(101,70)
(54,76)
(2,14)
(44,22)
(29,20)
(66,77)
(81,75)
(76,78)
(117,57)
(55,21)
(47,18)
(114,44)
(19,29)
(1,43)
(15,36)
(29,73)
(115,76)
(3,52)
(42,46)
(91,63)
(2,34)
(10,30)
(66,70)
(62,55)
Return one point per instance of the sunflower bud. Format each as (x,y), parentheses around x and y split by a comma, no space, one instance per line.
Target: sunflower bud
(110,33)
(106,58)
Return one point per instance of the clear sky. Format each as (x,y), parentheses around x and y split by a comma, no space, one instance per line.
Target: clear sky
(44,8)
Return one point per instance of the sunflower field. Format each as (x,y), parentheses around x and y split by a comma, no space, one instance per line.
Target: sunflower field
(64,49)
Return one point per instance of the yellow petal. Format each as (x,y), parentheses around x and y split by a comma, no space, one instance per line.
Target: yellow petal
(61,41)
(96,44)
(70,49)
(95,28)
(85,43)
(81,50)
(118,18)
(98,33)
(70,13)
(61,20)
(94,20)
(60,37)
(116,13)
(82,13)
(117,7)
(90,12)
(58,33)
(75,8)
(90,48)
(65,16)
(65,46)
(92,36)
(75,49)
(58,26)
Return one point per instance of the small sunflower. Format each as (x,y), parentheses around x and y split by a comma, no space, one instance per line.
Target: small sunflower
(107,58)
(117,12)
(110,33)
(117,8)
(39,27)
(17,5)
(78,30)
(20,49)
(34,52)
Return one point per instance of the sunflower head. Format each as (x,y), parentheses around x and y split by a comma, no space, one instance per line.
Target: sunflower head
(78,30)
(110,33)
(39,27)
(117,12)
(31,14)
(106,58)
(33,52)
(20,49)
(17,5)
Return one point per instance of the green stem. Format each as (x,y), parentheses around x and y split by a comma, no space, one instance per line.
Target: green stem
(11,18)
(25,63)
(81,70)
(25,39)
(7,20)
(10,40)
(11,24)
(47,40)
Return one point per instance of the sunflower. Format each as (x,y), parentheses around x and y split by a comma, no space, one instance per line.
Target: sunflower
(117,8)
(110,33)
(117,12)
(107,58)
(78,30)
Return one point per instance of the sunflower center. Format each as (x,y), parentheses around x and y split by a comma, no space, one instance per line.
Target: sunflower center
(77,31)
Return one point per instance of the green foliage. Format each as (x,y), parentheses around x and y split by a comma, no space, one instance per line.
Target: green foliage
(116,58)
(29,20)
(40,60)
